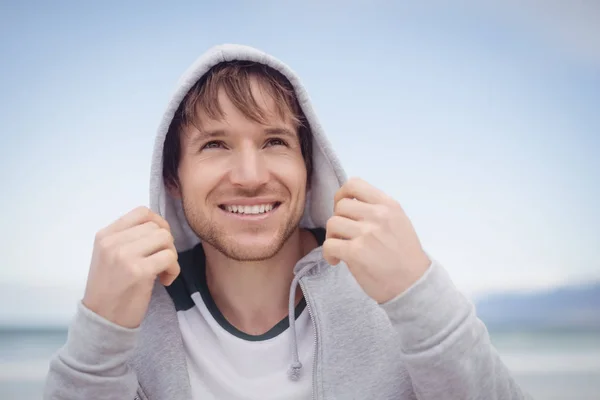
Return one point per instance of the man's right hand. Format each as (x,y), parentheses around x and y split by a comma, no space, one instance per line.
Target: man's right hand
(128,256)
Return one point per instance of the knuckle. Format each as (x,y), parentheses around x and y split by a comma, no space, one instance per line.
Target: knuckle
(134,272)
(121,256)
(337,195)
(340,205)
(366,229)
(142,211)
(349,183)
(165,259)
(164,236)
(177,269)
(104,244)
(332,222)
(172,256)
(329,224)
(100,235)
(381,213)
(354,180)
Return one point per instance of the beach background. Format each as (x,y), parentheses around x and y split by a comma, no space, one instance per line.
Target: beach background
(550,365)
(480,118)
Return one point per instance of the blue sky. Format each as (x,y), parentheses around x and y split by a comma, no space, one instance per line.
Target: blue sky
(482,121)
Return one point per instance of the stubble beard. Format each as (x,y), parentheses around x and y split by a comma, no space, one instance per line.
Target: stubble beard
(209,232)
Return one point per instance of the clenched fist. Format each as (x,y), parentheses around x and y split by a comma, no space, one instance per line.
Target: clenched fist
(128,256)
(370,232)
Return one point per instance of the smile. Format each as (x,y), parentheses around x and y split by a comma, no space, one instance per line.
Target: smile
(254,209)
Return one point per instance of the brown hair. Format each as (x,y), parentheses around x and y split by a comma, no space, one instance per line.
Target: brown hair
(234,78)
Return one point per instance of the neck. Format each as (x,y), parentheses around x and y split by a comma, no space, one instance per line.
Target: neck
(254,296)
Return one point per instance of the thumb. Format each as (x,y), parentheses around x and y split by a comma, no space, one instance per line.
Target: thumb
(333,250)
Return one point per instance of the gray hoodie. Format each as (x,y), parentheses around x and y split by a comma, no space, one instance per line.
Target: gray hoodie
(425,344)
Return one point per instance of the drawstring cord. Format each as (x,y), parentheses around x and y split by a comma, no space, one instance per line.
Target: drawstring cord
(296,366)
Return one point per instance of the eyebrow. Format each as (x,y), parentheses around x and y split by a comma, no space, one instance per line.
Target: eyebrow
(209,134)
(201,136)
(280,132)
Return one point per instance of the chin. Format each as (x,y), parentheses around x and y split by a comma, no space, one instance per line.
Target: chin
(253,246)
(250,251)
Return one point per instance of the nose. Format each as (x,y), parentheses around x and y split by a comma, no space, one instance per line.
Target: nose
(249,169)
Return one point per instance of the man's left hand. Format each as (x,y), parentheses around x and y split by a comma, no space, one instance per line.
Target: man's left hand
(370,232)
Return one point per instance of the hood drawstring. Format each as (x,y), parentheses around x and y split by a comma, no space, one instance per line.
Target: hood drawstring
(296,366)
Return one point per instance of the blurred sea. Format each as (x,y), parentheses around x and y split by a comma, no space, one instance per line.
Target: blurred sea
(549,365)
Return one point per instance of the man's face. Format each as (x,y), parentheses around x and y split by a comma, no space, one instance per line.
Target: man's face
(243,184)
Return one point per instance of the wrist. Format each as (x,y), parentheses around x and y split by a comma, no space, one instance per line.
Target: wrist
(405,277)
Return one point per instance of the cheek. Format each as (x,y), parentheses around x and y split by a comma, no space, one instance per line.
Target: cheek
(198,178)
(291,171)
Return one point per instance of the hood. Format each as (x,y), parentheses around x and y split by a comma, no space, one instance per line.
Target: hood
(328,174)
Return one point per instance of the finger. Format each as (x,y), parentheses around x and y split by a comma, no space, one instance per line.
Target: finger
(335,250)
(343,228)
(135,217)
(170,274)
(155,241)
(163,264)
(135,233)
(167,279)
(353,209)
(356,188)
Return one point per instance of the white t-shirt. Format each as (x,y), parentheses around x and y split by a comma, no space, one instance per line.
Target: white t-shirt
(228,363)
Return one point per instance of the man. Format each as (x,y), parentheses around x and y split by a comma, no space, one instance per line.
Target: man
(261,272)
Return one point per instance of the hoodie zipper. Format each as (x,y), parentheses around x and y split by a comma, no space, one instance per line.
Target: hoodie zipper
(314,324)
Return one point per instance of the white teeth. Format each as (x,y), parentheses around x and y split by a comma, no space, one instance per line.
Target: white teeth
(257,209)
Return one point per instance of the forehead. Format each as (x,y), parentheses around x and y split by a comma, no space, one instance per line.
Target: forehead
(256,107)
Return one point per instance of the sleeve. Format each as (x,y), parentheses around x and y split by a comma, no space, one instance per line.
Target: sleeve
(93,363)
(447,349)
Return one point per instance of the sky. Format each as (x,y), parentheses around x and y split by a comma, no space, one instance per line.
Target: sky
(481,120)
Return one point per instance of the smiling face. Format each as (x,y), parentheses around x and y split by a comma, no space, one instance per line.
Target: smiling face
(243,182)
